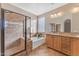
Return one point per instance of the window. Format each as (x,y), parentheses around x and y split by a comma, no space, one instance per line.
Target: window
(33,27)
(41,24)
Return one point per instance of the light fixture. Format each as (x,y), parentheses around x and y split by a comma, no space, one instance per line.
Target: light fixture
(74,10)
(56,15)
(52,16)
(59,14)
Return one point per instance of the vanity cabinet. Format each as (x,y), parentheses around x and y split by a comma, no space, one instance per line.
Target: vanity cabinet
(57,43)
(53,41)
(49,41)
(70,45)
(75,47)
(66,44)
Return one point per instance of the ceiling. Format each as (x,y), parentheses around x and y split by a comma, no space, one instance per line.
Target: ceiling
(38,8)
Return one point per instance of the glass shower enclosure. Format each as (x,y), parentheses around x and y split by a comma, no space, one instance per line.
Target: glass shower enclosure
(15,29)
(14,32)
(14,40)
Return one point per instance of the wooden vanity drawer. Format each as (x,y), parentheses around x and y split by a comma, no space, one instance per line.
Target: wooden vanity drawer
(66,45)
(57,43)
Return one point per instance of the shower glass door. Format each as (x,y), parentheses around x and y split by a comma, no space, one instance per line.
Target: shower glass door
(28,22)
(14,36)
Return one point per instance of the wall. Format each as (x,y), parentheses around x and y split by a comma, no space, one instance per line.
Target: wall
(75,22)
(58,20)
(67,14)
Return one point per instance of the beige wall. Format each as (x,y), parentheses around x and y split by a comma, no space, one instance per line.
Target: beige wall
(75,22)
(67,14)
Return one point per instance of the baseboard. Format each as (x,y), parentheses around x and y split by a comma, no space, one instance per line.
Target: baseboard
(59,51)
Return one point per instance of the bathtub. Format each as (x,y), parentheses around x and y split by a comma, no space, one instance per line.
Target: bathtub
(36,42)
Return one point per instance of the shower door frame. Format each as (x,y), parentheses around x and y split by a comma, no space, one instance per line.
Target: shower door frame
(3,32)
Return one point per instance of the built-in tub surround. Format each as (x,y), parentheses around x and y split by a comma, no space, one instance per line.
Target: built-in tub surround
(37,41)
(67,43)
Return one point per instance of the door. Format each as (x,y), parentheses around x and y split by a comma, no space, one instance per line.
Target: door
(67,25)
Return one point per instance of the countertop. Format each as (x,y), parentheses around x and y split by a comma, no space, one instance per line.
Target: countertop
(65,34)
